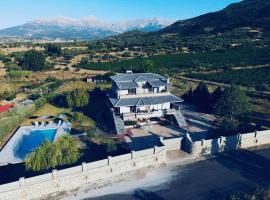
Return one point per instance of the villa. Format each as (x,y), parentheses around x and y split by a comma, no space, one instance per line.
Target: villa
(141,96)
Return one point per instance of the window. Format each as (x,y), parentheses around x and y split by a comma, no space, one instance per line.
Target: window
(151,89)
(132,91)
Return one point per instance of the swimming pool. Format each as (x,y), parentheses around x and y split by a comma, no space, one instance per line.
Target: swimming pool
(33,140)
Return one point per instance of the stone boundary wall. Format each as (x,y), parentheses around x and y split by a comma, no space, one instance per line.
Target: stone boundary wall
(74,177)
(221,144)
(172,143)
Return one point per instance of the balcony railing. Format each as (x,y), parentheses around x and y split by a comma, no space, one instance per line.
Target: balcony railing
(169,112)
(147,115)
(144,95)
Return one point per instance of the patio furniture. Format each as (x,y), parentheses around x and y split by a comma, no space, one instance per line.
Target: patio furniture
(36,124)
(59,123)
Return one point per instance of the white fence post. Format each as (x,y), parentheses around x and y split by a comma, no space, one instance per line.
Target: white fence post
(22,183)
(23,186)
(84,169)
(55,177)
(110,162)
(133,156)
(156,153)
(54,174)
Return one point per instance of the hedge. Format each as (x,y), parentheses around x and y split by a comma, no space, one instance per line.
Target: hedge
(13,117)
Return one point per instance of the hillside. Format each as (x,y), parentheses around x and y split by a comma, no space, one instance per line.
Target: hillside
(254,14)
(239,24)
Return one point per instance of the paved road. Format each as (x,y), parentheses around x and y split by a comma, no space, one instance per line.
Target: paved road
(216,178)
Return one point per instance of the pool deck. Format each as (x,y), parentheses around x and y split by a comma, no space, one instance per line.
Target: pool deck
(7,154)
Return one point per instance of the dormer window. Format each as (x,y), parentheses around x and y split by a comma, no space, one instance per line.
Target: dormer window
(132,91)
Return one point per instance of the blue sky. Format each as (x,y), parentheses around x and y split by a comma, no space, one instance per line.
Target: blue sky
(16,12)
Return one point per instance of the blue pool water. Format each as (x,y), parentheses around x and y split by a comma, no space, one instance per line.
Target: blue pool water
(30,142)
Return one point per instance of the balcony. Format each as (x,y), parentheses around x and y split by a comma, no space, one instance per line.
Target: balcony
(147,115)
(169,112)
(151,94)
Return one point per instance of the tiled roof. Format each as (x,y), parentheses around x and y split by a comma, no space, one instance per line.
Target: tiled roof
(137,77)
(157,83)
(141,101)
(127,85)
(129,81)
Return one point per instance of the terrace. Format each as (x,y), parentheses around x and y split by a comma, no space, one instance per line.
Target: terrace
(147,114)
(27,138)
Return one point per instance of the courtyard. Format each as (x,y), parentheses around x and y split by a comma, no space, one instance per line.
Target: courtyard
(200,126)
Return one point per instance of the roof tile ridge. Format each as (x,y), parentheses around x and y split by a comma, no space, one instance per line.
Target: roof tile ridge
(117,102)
(121,76)
(139,76)
(138,101)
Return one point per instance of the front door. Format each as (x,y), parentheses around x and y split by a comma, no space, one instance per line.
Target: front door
(133,109)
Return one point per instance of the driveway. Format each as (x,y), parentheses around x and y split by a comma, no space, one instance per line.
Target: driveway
(217,178)
(149,136)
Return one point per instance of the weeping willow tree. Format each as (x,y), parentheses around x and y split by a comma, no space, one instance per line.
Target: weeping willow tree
(50,155)
(68,149)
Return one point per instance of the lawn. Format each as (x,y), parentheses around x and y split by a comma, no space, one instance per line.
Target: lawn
(46,110)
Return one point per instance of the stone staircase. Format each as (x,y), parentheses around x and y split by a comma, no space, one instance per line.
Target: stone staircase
(180,119)
(118,124)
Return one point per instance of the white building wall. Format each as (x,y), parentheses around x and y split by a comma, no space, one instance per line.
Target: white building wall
(122,92)
(156,107)
(142,108)
(162,88)
(166,106)
(124,109)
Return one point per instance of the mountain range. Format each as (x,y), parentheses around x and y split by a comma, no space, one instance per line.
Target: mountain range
(64,28)
(246,23)
(248,19)
(247,13)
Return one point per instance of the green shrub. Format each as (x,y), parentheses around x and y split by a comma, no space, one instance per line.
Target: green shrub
(83,123)
(10,119)
(40,102)
(50,155)
(228,126)
(130,123)
(110,144)
(19,74)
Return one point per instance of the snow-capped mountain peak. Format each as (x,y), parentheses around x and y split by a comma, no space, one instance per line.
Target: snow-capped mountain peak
(89,27)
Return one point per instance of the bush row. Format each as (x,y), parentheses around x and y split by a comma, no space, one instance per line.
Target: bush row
(13,117)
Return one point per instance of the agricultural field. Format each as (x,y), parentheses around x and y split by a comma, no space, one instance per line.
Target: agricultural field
(258,77)
(201,61)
